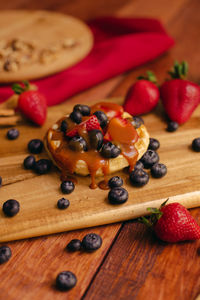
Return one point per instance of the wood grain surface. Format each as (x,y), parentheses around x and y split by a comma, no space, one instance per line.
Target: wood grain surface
(131,263)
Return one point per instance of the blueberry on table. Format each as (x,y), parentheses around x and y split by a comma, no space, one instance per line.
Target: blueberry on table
(13,134)
(84,109)
(65,281)
(63,126)
(74,245)
(109,150)
(115,181)
(42,166)
(139,177)
(96,139)
(11,207)
(149,159)
(76,116)
(138,165)
(158,170)
(29,162)
(102,118)
(118,195)
(77,143)
(137,122)
(196,144)
(172,126)
(67,187)
(5,254)
(35,146)
(91,242)
(154,144)
(63,203)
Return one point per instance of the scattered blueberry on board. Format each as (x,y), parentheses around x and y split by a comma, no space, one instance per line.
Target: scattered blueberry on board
(115,181)
(196,144)
(139,177)
(12,134)
(91,242)
(158,170)
(172,126)
(35,146)
(67,187)
(138,165)
(5,254)
(63,203)
(29,162)
(11,207)
(154,144)
(74,245)
(42,166)
(65,281)
(118,195)
(149,158)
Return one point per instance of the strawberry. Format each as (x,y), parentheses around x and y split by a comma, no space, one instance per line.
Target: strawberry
(111,110)
(32,104)
(179,96)
(173,223)
(142,96)
(90,124)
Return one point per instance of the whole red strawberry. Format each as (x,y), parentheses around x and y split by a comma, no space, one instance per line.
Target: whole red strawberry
(179,96)
(32,104)
(173,223)
(142,96)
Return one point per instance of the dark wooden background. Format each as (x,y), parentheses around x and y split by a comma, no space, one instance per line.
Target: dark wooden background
(131,264)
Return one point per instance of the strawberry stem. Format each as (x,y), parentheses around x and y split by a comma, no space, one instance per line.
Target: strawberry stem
(20,88)
(150,77)
(179,71)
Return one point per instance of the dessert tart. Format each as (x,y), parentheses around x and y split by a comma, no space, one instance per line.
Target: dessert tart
(96,140)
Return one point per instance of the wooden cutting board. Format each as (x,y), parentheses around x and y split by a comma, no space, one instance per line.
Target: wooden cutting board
(35,44)
(38,195)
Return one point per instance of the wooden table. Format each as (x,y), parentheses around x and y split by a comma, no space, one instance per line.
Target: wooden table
(131,264)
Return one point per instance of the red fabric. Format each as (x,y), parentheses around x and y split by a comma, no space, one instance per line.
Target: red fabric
(119,45)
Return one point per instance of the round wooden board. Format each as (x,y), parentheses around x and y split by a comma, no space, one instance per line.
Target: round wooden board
(46,30)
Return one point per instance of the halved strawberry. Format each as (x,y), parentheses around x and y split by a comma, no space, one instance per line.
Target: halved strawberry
(90,124)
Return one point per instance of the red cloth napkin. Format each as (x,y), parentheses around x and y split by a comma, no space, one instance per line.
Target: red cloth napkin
(119,45)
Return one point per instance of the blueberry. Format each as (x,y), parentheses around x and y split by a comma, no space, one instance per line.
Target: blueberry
(149,159)
(42,166)
(29,162)
(91,242)
(13,134)
(77,143)
(67,187)
(138,165)
(5,254)
(0,181)
(139,177)
(74,245)
(196,144)
(76,116)
(63,126)
(137,122)
(63,203)
(84,109)
(96,139)
(118,195)
(11,207)
(153,144)
(35,146)
(102,118)
(115,181)
(172,126)
(65,280)
(109,150)
(158,170)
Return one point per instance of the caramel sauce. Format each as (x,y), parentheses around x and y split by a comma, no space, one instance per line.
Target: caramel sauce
(121,131)
(103,185)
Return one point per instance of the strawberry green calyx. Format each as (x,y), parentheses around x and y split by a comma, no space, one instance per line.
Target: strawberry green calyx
(150,77)
(179,71)
(21,88)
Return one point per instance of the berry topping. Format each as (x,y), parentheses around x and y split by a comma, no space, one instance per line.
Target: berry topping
(102,118)
(149,159)
(65,281)
(63,203)
(96,139)
(118,195)
(13,134)
(76,116)
(172,126)
(77,143)
(91,242)
(139,177)
(158,170)
(115,181)
(84,109)
(196,144)
(153,144)
(74,245)
(109,150)
(11,207)
(63,126)
(35,146)
(137,122)
(5,254)
(42,166)
(90,124)
(67,187)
